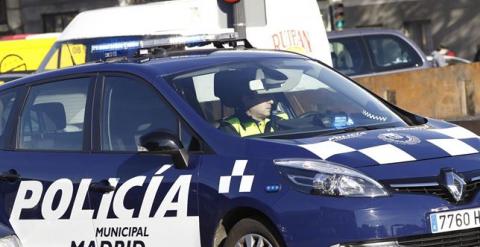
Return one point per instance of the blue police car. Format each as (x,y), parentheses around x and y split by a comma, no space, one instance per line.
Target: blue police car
(227,147)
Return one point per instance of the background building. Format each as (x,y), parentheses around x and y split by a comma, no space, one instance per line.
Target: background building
(453,23)
(430,23)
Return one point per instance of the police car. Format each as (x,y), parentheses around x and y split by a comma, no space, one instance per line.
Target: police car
(127,153)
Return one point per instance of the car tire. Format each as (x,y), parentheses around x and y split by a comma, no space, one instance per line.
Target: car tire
(248,233)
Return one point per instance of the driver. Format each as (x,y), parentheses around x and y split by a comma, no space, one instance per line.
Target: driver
(252,115)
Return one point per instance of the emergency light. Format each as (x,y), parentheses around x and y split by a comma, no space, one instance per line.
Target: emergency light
(162,45)
(188,40)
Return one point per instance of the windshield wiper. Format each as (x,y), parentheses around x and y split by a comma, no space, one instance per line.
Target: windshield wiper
(325,132)
(350,129)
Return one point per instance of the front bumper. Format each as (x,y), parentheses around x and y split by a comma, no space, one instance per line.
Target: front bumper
(397,220)
(464,238)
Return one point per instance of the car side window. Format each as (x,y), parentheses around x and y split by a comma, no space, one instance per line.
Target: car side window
(390,52)
(131,109)
(7,99)
(349,56)
(54,116)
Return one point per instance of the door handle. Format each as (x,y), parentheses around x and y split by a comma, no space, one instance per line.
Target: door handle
(102,187)
(10,176)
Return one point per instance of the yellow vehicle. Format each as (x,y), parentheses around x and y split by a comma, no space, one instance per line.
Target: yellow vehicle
(24,53)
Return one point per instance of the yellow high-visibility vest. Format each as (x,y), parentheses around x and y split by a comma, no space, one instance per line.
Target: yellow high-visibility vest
(251,127)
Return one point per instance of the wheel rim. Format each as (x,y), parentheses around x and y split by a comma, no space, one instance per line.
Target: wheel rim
(253,240)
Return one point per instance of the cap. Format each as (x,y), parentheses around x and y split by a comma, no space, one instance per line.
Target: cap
(253,99)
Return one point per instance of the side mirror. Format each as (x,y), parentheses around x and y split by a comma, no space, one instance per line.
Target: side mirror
(165,143)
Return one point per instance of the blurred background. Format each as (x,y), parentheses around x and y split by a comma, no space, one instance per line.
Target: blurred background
(401,50)
(430,23)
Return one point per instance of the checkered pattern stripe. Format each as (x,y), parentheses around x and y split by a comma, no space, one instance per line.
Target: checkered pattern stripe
(452,141)
(238,170)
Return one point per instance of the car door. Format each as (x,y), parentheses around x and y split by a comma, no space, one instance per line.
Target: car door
(141,198)
(45,178)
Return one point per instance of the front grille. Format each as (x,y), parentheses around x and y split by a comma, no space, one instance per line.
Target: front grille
(464,238)
(471,190)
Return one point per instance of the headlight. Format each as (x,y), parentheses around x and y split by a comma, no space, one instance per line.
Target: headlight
(10,241)
(321,177)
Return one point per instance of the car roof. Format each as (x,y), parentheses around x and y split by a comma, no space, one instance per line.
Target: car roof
(362,31)
(191,61)
(181,62)
(13,75)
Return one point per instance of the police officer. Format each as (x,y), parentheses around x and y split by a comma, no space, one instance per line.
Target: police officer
(252,116)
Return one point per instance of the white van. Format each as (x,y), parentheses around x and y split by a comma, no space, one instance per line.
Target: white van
(269,24)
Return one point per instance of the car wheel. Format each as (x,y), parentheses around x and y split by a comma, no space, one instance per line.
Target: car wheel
(250,233)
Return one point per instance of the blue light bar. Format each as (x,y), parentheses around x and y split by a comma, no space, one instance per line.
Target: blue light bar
(144,46)
(115,46)
(190,41)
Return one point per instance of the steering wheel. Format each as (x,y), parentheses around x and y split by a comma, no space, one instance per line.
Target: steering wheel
(311,114)
(327,119)
(317,118)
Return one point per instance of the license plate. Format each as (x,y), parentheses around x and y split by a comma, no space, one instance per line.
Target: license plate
(455,220)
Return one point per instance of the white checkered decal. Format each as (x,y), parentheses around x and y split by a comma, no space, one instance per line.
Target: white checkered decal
(238,170)
(327,149)
(452,141)
(456,133)
(386,154)
(453,146)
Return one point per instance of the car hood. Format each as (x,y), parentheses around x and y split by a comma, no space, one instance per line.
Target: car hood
(393,145)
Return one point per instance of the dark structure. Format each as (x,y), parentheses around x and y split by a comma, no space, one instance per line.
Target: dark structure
(430,23)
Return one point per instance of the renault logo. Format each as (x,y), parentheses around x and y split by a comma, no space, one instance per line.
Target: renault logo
(455,185)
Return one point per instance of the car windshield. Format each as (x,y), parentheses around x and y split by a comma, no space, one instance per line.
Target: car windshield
(290,96)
